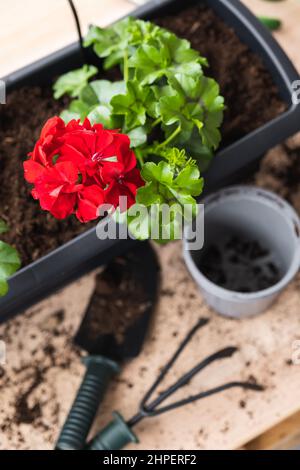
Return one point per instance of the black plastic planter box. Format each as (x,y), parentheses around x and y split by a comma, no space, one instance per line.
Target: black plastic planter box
(86,252)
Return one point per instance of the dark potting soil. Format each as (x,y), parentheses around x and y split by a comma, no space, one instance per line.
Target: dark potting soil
(280,171)
(239,265)
(118,301)
(251,98)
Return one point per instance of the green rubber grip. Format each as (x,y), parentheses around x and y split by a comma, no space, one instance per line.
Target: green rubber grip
(114,437)
(90,394)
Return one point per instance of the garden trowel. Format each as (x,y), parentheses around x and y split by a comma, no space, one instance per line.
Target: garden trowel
(106,351)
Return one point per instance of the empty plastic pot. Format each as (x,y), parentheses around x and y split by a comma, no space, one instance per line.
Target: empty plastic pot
(270,232)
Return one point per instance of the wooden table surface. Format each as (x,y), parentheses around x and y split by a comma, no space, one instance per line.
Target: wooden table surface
(227,421)
(289,12)
(31,29)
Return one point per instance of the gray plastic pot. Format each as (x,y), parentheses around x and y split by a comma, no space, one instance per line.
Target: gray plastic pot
(258,215)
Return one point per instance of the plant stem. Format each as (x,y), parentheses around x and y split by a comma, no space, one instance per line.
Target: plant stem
(155,123)
(139,156)
(170,138)
(126,70)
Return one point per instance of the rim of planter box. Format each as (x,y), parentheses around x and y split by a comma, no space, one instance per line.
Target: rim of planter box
(32,282)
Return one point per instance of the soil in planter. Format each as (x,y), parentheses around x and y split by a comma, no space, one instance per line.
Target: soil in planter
(118,301)
(280,172)
(251,97)
(32,231)
(239,265)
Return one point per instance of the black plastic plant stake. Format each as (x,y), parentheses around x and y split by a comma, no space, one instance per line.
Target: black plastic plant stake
(119,432)
(78,27)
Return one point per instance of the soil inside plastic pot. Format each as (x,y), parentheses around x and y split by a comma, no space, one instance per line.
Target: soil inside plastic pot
(251,99)
(239,264)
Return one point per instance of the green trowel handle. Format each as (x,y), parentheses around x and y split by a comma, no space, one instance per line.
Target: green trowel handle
(114,437)
(90,394)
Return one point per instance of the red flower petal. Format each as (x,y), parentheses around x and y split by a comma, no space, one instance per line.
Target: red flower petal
(111,171)
(134,177)
(63,206)
(115,191)
(32,171)
(55,185)
(65,172)
(49,141)
(53,126)
(89,201)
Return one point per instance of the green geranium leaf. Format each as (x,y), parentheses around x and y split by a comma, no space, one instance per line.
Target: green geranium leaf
(149,63)
(209,91)
(176,157)
(68,116)
(163,185)
(112,42)
(162,173)
(94,103)
(148,194)
(73,82)
(3,227)
(101,115)
(133,105)
(9,260)
(165,54)
(181,51)
(170,110)
(137,136)
(109,42)
(105,90)
(99,95)
(189,181)
(77,110)
(200,153)
(195,104)
(9,264)
(139,224)
(174,113)
(87,95)
(3,287)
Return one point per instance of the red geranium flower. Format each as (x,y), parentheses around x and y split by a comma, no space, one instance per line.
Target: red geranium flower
(77,167)
(56,188)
